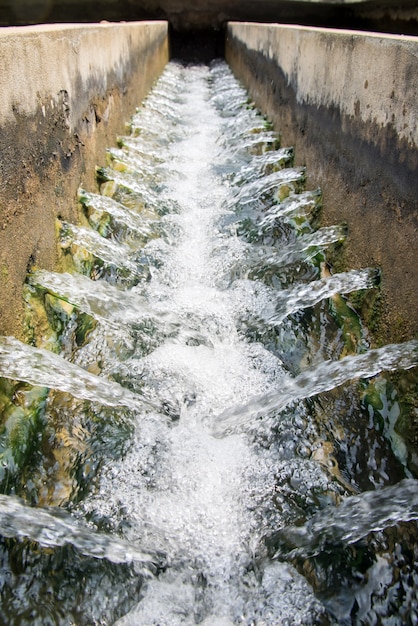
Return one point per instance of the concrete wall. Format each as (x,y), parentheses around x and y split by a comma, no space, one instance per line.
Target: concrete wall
(347,102)
(65,93)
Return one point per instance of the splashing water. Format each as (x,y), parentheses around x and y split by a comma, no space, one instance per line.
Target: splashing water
(304,296)
(41,367)
(356,517)
(328,375)
(228,483)
(51,530)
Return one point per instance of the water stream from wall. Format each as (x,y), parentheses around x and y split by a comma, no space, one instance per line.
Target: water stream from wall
(197,431)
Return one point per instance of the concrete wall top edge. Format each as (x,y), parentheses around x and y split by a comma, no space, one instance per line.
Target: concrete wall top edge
(32,74)
(337,32)
(369,77)
(7,31)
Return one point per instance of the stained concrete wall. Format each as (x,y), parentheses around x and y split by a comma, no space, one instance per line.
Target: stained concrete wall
(65,93)
(347,102)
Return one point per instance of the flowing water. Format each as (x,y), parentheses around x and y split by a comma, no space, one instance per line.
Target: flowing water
(197,431)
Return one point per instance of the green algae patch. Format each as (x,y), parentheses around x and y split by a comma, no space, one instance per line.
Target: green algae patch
(21,432)
(348,320)
(54,323)
(391,401)
(39,329)
(369,304)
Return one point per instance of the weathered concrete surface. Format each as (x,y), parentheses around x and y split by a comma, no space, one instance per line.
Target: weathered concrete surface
(347,102)
(65,93)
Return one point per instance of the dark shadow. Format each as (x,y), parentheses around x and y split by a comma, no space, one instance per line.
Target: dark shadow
(197,46)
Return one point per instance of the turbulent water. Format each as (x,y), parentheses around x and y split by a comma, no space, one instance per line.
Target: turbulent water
(186,472)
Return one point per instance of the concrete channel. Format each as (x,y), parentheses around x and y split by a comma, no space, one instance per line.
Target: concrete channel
(345,100)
